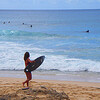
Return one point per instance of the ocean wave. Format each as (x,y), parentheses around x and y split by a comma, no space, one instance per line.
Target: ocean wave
(42,35)
(57,64)
(12,53)
(15,33)
(71,64)
(26,34)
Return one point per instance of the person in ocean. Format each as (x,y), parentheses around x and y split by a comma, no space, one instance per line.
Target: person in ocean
(87,31)
(28,73)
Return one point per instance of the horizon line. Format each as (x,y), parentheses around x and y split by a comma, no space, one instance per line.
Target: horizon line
(42,9)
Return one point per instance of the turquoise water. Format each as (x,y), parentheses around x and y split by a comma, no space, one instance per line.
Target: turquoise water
(59,35)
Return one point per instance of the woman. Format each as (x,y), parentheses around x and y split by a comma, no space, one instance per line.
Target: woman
(28,74)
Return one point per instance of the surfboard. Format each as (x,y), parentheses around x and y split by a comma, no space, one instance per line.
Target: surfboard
(33,66)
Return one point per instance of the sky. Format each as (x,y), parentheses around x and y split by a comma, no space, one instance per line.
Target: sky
(49,4)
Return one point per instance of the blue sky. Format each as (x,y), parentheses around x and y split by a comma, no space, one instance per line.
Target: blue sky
(49,4)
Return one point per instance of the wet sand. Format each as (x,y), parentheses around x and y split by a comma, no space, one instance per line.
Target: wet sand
(11,89)
(55,75)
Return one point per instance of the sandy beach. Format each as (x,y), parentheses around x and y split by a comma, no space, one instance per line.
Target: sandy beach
(11,89)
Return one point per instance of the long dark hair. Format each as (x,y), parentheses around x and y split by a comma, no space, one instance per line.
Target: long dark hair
(26,55)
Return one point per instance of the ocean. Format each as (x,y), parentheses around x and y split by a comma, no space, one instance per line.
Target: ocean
(59,35)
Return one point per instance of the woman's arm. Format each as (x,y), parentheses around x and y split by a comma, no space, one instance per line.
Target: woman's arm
(31,61)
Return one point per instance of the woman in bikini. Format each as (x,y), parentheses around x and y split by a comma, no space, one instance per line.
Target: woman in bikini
(28,74)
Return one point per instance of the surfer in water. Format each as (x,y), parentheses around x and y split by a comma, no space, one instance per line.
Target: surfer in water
(28,73)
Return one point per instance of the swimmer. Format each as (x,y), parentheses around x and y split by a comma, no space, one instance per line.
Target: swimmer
(87,31)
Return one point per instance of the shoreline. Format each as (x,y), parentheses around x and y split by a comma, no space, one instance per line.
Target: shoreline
(55,75)
(74,89)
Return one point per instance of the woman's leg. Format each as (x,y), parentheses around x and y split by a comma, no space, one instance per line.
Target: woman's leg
(29,77)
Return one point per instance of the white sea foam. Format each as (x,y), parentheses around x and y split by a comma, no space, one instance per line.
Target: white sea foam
(11,57)
(60,63)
